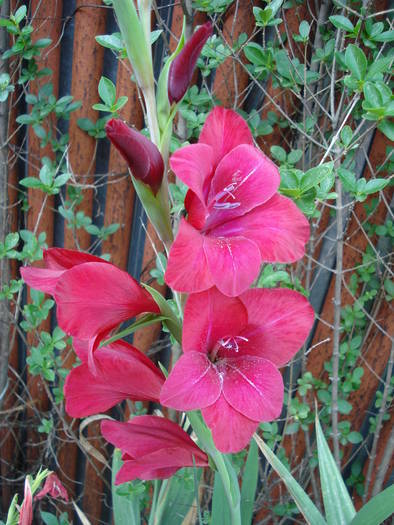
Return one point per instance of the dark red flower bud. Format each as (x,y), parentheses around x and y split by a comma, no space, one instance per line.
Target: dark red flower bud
(182,67)
(142,156)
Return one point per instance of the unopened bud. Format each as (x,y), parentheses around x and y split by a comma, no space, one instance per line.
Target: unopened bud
(142,156)
(182,67)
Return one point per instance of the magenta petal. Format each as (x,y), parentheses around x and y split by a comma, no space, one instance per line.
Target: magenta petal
(193,383)
(279,323)
(234,263)
(223,131)
(187,269)
(194,166)
(196,210)
(41,278)
(231,431)
(209,316)
(122,372)
(245,178)
(145,434)
(63,259)
(278,228)
(100,295)
(253,386)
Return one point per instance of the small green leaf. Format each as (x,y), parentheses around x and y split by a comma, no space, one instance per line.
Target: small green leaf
(278,153)
(304,29)
(341,22)
(346,135)
(107,91)
(249,483)
(375,185)
(379,508)
(315,176)
(337,502)
(356,61)
(344,407)
(386,36)
(387,128)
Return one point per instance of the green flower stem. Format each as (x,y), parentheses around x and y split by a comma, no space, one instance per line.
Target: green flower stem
(155,497)
(226,471)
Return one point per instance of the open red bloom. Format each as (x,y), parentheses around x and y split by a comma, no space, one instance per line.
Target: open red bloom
(122,372)
(142,156)
(232,350)
(182,67)
(54,487)
(92,296)
(236,219)
(153,448)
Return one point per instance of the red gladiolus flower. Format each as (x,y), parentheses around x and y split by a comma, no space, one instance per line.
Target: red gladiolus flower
(152,447)
(54,487)
(182,67)
(26,512)
(122,372)
(142,156)
(232,350)
(236,219)
(92,296)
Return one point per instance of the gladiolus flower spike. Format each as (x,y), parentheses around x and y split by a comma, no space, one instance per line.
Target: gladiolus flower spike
(182,67)
(142,156)
(153,448)
(236,219)
(232,348)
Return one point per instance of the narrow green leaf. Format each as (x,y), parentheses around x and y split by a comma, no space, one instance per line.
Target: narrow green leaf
(301,498)
(179,497)
(172,322)
(220,511)
(356,61)
(249,483)
(386,36)
(337,502)
(377,509)
(126,509)
(145,320)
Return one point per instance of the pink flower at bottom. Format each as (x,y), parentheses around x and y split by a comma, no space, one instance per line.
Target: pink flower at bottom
(54,487)
(232,350)
(152,448)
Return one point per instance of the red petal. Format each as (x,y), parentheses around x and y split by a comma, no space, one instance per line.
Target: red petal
(143,435)
(253,386)
(194,166)
(62,259)
(231,431)
(278,228)
(244,179)
(122,372)
(224,130)
(193,383)
(187,269)
(209,316)
(279,323)
(234,263)
(196,210)
(41,278)
(93,298)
